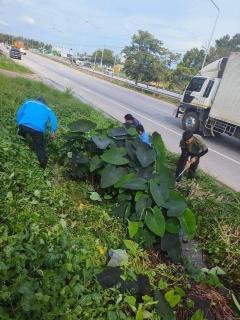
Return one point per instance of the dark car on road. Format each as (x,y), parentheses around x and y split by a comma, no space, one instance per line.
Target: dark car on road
(15,53)
(87,65)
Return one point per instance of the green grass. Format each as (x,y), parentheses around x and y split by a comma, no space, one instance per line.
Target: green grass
(52,235)
(10,65)
(217,211)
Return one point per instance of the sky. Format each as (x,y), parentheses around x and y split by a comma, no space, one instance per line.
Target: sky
(85,25)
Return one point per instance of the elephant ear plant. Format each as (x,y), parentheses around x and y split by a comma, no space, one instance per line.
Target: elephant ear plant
(135,177)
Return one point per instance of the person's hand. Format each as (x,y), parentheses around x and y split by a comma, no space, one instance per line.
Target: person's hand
(193,160)
(187,165)
(52,135)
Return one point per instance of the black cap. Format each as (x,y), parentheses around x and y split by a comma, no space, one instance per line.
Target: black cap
(187,135)
(41,99)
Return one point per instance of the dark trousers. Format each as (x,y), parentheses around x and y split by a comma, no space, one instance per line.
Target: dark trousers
(181,165)
(38,140)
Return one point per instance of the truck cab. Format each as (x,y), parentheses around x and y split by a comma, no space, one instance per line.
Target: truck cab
(199,95)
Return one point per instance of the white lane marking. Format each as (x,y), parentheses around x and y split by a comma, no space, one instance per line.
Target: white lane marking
(66,79)
(159,109)
(52,72)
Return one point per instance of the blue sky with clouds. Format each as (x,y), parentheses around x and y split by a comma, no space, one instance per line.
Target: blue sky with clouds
(179,24)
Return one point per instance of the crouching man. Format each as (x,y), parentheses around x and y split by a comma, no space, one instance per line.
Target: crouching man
(192,146)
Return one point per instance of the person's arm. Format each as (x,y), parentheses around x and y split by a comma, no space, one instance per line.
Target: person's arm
(20,112)
(202,153)
(53,122)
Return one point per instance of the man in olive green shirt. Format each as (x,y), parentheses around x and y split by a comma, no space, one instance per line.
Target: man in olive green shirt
(192,146)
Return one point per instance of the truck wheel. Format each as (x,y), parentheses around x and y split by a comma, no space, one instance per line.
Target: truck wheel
(190,121)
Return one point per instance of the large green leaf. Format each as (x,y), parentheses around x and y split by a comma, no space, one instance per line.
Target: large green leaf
(116,132)
(111,277)
(155,221)
(130,150)
(80,171)
(159,146)
(135,184)
(171,225)
(82,125)
(140,205)
(115,156)
(101,143)
(164,175)
(163,308)
(160,193)
(73,135)
(111,175)
(123,179)
(120,210)
(137,143)
(131,246)
(95,163)
(146,173)
(124,196)
(145,157)
(132,228)
(169,240)
(175,252)
(176,204)
(145,236)
(127,213)
(81,158)
(188,223)
(132,131)
(171,244)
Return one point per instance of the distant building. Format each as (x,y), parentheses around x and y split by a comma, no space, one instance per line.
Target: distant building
(63,52)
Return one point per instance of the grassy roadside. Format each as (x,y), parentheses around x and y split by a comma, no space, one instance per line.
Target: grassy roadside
(8,64)
(50,226)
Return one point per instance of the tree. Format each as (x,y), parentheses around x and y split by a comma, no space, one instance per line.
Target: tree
(108,57)
(223,47)
(143,56)
(193,58)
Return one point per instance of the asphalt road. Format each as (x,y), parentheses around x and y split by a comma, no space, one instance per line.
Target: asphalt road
(223,158)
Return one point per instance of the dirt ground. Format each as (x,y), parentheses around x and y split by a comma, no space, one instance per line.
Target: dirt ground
(33,76)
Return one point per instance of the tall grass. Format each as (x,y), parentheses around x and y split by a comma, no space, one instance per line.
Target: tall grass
(10,65)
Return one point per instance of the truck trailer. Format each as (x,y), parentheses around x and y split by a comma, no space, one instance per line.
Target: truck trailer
(20,45)
(211,102)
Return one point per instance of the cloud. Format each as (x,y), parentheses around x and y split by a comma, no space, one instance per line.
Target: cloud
(3,23)
(28,20)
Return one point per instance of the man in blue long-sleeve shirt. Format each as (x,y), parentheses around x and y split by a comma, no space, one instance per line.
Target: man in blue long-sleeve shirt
(32,118)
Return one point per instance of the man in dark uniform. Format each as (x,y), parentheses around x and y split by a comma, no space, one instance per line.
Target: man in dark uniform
(131,120)
(192,146)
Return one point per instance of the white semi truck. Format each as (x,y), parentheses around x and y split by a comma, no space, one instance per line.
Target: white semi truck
(211,102)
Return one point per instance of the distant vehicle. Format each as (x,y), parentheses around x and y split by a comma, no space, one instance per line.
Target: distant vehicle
(23,51)
(108,71)
(15,53)
(87,65)
(20,45)
(210,103)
